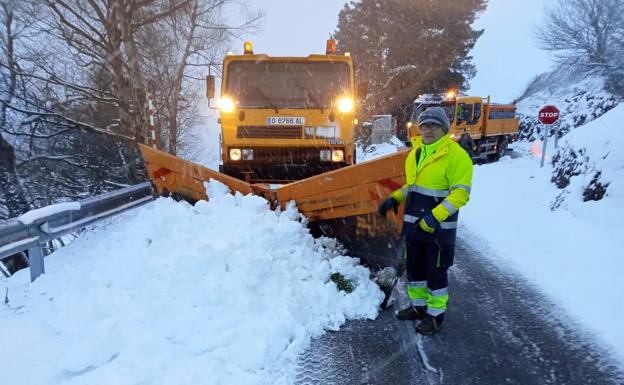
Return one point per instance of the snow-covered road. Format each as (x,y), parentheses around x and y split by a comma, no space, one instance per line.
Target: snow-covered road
(499,330)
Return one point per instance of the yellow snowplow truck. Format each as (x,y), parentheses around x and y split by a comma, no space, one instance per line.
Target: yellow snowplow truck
(286,118)
(484,129)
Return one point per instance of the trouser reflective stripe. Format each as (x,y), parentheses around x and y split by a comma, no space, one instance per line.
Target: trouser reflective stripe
(418,292)
(435,311)
(436,303)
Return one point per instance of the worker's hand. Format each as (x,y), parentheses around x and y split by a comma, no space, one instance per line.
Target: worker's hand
(429,223)
(387,204)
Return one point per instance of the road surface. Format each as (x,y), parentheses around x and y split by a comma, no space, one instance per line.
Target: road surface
(498,330)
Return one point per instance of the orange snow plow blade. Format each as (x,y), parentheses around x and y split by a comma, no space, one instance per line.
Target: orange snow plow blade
(173,175)
(349,191)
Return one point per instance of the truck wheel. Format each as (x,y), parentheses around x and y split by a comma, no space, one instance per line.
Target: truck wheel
(501,149)
(468,144)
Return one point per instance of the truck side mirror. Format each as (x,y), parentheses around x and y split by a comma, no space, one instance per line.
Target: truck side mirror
(210,86)
(362,90)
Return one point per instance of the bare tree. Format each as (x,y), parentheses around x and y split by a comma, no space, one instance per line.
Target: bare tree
(178,51)
(585,34)
(10,185)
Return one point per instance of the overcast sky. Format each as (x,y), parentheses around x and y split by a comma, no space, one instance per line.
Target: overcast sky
(505,56)
(294,27)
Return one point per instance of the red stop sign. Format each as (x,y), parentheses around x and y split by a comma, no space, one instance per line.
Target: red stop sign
(548,114)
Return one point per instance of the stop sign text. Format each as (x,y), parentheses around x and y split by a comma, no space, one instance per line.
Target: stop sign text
(548,115)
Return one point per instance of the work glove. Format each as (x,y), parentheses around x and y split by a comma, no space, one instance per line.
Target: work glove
(428,223)
(387,204)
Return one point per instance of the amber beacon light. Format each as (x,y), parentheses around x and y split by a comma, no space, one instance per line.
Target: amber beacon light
(331,47)
(248,48)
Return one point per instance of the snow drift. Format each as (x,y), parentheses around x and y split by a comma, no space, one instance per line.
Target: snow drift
(225,292)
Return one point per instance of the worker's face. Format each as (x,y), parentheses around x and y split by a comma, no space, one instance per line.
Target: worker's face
(431,132)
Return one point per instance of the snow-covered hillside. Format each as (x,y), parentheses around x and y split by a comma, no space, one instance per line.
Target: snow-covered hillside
(581,98)
(225,292)
(590,163)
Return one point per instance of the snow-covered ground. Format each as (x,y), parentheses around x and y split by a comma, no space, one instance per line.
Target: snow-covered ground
(571,253)
(225,292)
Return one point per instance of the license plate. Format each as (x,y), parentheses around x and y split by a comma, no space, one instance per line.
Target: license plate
(285,121)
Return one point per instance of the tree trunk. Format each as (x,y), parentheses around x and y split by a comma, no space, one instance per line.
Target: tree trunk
(9,182)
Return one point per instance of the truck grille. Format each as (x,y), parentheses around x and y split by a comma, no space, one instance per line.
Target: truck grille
(286,155)
(277,132)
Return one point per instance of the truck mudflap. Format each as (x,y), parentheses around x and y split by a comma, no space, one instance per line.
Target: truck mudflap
(341,203)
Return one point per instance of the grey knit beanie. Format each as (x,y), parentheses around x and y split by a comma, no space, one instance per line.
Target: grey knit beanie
(435,115)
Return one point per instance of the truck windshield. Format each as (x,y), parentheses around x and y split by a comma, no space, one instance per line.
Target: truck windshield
(419,108)
(287,84)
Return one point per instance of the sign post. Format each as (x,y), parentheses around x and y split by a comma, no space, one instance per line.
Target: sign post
(547,115)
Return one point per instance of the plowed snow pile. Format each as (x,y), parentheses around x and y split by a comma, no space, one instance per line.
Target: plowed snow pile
(225,292)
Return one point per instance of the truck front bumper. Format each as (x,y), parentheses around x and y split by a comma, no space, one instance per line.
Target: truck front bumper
(283,173)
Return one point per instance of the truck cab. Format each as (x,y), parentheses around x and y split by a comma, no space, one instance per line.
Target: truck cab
(286,118)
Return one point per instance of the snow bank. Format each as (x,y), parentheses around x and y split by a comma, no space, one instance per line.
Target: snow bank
(225,292)
(373,151)
(600,145)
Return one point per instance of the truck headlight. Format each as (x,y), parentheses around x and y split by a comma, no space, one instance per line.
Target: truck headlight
(337,155)
(325,155)
(247,153)
(345,105)
(226,104)
(235,154)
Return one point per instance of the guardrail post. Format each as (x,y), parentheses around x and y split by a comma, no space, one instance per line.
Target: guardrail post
(35,259)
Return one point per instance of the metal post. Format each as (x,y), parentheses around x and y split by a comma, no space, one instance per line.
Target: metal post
(35,259)
(152,125)
(545,143)
(556,134)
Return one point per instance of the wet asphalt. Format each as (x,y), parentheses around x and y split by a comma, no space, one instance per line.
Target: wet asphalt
(498,330)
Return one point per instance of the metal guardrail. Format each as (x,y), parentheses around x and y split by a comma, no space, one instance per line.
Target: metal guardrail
(33,229)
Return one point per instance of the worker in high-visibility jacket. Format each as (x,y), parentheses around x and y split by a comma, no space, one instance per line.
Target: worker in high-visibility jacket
(438,173)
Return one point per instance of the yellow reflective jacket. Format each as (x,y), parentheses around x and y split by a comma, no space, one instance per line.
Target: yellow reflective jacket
(440,186)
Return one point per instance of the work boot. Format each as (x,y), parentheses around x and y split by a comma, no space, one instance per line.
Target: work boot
(428,326)
(412,313)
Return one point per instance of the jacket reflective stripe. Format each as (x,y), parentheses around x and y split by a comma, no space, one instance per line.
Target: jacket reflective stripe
(410,218)
(417,284)
(429,192)
(439,292)
(444,225)
(449,206)
(461,186)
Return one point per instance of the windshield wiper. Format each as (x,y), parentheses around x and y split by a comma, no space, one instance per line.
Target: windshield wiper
(311,96)
(266,98)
